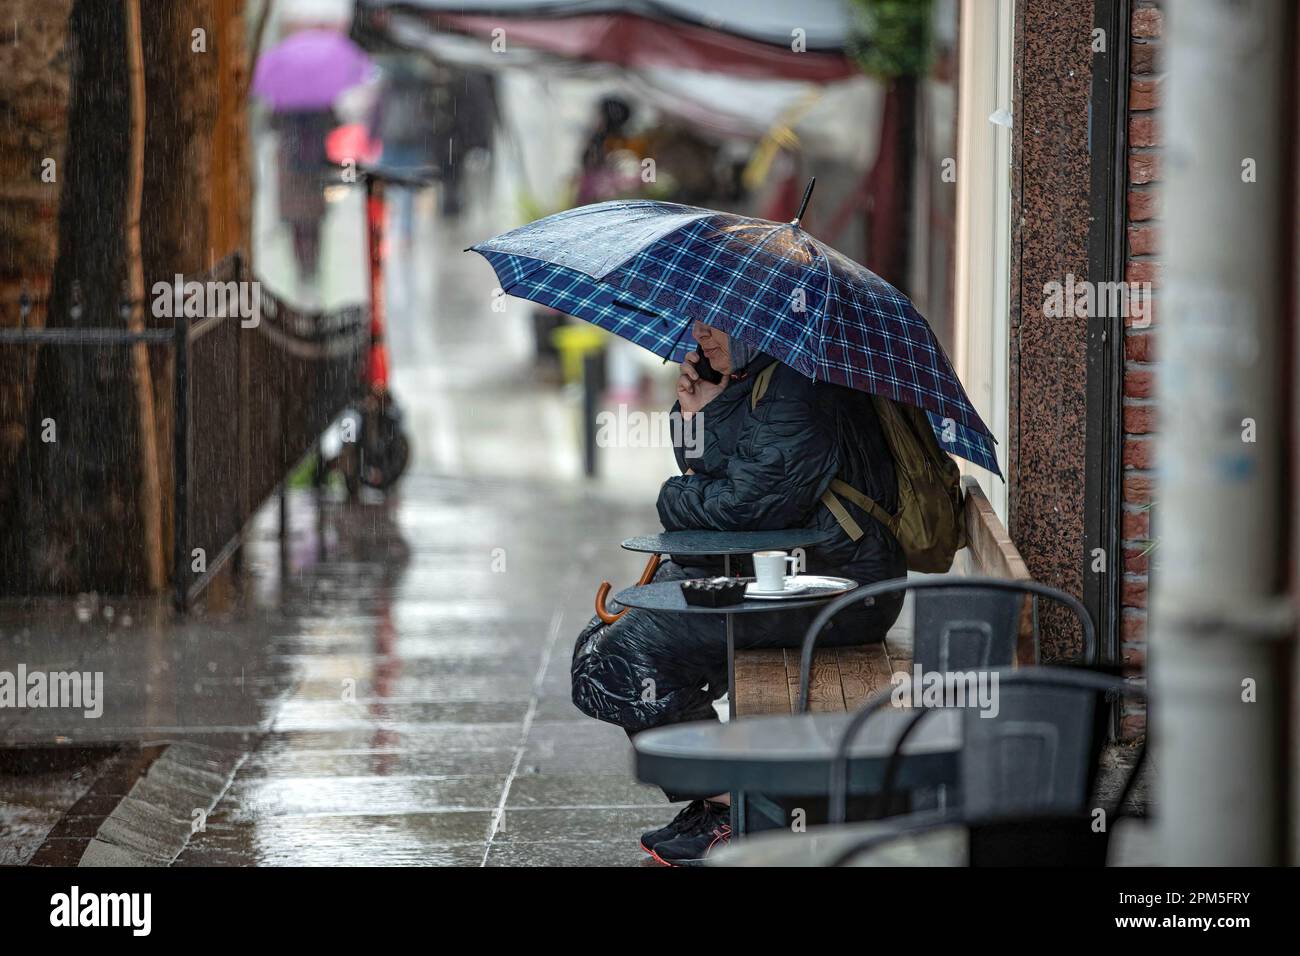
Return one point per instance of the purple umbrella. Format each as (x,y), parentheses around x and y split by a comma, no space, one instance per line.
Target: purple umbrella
(308,70)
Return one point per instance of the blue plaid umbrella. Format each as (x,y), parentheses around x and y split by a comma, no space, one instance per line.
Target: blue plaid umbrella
(644,270)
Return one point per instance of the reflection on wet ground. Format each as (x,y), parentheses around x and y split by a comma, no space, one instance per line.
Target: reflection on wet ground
(395,681)
(402,687)
(429,718)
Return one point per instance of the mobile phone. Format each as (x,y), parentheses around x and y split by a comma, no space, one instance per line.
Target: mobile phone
(707,372)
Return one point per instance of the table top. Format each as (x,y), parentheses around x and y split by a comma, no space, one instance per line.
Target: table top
(705,543)
(945,845)
(791,754)
(667,596)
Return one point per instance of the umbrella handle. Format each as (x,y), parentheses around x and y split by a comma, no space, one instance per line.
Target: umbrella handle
(602,592)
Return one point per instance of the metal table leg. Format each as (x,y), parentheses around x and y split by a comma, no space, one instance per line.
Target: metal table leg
(731,669)
(737,798)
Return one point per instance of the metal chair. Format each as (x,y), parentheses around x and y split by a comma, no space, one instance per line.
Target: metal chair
(1037,841)
(1041,838)
(1038,753)
(962,623)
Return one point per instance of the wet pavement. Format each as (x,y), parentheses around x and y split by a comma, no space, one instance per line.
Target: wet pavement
(430,719)
(400,683)
(391,686)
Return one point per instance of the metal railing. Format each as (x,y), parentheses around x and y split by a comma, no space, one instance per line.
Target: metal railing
(251,397)
(254,399)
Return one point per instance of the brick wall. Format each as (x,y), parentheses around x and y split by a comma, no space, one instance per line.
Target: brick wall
(1143,265)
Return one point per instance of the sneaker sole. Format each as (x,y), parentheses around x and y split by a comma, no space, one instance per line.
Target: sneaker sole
(675,864)
(679,864)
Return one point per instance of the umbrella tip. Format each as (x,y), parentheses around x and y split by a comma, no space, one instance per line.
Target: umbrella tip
(807,194)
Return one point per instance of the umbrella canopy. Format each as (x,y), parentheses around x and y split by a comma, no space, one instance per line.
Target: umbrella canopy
(644,269)
(309,70)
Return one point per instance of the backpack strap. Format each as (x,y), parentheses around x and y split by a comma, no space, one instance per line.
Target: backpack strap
(761,381)
(851,527)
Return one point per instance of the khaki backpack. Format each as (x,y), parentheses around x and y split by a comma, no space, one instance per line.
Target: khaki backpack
(929,522)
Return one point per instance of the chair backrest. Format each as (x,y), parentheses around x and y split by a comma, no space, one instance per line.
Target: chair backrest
(1038,752)
(964,628)
(962,623)
(1031,839)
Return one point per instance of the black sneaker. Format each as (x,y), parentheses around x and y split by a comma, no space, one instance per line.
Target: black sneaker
(690,849)
(688,818)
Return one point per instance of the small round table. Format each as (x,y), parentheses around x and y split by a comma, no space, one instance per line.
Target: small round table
(714,544)
(667,597)
(791,754)
(946,844)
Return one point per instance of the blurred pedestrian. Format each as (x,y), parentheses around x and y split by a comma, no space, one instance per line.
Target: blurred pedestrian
(406,119)
(598,175)
(302,165)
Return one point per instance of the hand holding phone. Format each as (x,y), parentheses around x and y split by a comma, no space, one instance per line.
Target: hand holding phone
(707,372)
(698,384)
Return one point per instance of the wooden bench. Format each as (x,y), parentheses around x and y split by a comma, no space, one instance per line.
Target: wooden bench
(843,678)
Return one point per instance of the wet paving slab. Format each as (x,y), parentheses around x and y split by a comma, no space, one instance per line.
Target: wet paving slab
(38,790)
(142,671)
(399,691)
(428,722)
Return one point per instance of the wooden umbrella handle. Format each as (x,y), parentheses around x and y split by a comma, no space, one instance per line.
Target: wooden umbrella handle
(602,592)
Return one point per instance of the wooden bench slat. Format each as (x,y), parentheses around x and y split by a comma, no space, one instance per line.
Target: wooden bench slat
(825,691)
(761,686)
(992,552)
(864,673)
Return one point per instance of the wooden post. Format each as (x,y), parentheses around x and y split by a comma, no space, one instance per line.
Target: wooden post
(181,467)
(150,490)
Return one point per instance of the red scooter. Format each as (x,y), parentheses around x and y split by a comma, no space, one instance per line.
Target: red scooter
(380,451)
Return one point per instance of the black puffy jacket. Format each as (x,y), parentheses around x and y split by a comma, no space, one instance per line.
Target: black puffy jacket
(757,470)
(766,469)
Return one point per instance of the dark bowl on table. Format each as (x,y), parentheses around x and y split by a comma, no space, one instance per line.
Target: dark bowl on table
(713,592)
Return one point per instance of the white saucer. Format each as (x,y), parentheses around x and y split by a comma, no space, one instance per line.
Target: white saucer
(792,587)
(805,585)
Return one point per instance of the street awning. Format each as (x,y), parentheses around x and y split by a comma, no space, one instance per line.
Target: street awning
(751,38)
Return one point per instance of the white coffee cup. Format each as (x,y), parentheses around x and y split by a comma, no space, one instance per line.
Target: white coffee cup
(769,570)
